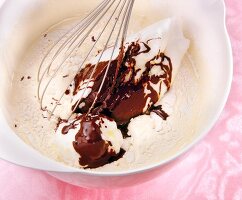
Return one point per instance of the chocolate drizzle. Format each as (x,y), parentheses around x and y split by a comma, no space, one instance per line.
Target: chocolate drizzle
(67,128)
(161,113)
(123,96)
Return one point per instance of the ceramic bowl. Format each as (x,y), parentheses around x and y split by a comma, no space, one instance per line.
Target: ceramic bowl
(22,21)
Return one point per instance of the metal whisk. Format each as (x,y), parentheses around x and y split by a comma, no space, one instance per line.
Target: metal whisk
(111,16)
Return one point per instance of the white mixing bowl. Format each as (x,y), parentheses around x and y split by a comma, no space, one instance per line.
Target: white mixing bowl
(23,21)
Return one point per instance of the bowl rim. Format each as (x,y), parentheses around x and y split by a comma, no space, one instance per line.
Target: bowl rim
(202,134)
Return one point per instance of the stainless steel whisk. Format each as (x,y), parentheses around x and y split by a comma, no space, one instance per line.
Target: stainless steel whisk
(116,13)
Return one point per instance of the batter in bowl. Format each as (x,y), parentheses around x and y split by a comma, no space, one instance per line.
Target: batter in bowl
(128,141)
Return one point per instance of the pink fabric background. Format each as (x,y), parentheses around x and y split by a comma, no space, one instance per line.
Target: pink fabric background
(211,170)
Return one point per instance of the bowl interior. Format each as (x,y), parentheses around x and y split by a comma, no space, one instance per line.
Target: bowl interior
(22,22)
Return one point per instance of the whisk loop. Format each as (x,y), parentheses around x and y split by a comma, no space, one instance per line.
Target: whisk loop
(109,15)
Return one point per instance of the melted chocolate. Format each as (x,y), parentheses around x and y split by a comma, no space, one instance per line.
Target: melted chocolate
(97,78)
(121,98)
(93,150)
(124,130)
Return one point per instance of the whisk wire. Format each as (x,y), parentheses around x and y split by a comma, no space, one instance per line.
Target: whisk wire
(81,65)
(67,56)
(73,39)
(114,47)
(100,6)
(61,48)
(94,69)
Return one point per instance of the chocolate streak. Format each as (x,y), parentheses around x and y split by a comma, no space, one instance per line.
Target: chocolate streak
(161,113)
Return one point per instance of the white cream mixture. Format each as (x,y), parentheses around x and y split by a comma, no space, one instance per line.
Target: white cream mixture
(151,137)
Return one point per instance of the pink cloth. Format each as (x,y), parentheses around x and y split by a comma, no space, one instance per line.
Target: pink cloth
(211,170)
